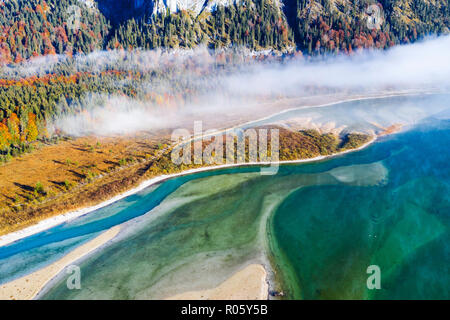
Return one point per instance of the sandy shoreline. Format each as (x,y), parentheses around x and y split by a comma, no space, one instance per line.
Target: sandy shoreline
(29,286)
(59,219)
(249,283)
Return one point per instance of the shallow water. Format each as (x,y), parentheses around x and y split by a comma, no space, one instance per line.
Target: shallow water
(387,205)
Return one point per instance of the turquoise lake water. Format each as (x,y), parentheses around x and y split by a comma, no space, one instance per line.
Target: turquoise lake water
(329,235)
(320,224)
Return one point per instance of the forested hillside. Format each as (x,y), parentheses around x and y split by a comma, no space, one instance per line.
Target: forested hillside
(323,26)
(37,27)
(28,103)
(258,25)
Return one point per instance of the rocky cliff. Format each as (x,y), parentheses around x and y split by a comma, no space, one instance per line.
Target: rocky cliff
(124,9)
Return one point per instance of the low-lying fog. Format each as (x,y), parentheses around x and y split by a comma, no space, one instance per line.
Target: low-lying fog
(241,87)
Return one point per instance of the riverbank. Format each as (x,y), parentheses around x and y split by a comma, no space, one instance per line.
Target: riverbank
(29,286)
(59,219)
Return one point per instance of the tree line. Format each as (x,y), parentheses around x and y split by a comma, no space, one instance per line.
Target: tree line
(36,27)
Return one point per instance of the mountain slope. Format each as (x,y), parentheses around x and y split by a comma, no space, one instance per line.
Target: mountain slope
(256,25)
(37,27)
(342,25)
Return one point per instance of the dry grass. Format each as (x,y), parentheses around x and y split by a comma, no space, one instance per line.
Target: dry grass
(67,170)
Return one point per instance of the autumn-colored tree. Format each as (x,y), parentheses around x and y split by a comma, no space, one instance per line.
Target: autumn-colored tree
(5,137)
(32,130)
(14,129)
(18,58)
